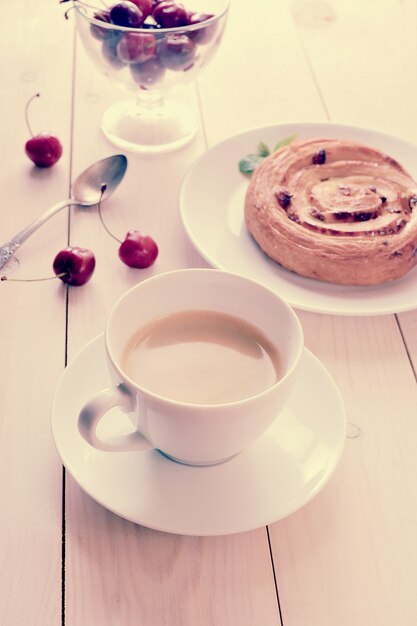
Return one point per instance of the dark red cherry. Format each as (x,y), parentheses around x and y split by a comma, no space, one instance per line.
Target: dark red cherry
(176,52)
(148,73)
(43,149)
(169,14)
(138,250)
(109,50)
(201,35)
(126,14)
(74,265)
(136,47)
(98,32)
(145,6)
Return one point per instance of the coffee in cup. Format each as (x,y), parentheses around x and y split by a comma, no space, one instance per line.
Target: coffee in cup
(202,357)
(202,360)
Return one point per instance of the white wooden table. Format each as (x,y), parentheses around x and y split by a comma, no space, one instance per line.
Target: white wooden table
(350,555)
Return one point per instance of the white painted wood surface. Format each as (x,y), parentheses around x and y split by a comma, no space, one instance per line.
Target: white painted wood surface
(350,556)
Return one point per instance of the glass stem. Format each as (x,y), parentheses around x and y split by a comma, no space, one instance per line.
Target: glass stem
(150,99)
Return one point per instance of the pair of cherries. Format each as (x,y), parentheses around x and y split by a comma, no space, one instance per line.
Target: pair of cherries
(75,265)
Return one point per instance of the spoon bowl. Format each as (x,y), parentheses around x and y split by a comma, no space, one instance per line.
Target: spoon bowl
(87,188)
(86,191)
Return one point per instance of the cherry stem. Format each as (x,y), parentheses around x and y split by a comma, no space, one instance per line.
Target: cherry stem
(32,280)
(37,95)
(79,2)
(68,10)
(84,4)
(103,189)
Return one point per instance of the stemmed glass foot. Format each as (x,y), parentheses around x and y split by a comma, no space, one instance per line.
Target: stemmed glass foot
(149,125)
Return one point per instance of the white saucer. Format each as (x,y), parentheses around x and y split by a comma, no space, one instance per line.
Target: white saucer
(277,475)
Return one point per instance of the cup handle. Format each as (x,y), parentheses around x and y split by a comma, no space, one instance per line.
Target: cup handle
(92,412)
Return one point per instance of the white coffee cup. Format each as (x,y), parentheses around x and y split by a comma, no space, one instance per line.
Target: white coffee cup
(195,434)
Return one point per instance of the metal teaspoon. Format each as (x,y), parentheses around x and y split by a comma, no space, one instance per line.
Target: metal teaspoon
(85,191)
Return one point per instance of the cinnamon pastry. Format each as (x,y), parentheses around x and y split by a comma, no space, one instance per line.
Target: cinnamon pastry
(334,210)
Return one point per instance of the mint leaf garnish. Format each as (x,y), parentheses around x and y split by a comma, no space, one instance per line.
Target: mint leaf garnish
(263,149)
(250,162)
(284,142)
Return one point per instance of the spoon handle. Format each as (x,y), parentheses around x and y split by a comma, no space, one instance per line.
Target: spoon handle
(8,249)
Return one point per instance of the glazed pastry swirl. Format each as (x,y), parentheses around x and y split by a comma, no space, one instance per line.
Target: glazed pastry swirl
(336,211)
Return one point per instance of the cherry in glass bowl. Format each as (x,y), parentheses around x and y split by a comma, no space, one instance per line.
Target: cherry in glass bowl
(151,47)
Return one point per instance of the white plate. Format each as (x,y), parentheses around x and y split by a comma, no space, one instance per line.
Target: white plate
(278,474)
(211,207)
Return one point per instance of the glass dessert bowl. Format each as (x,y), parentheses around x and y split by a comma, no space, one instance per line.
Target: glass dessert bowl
(154,48)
